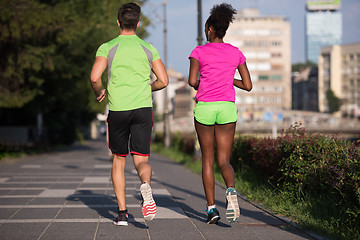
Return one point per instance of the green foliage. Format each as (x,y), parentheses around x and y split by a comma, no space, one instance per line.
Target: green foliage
(180,142)
(309,168)
(334,102)
(300,66)
(48,48)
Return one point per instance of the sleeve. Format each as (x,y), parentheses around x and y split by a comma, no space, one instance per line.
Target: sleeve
(195,54)
(155,53)
(102,51)
(242,58)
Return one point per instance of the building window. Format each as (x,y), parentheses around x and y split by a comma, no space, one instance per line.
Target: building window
(276,55)
(276,32)
(276,43)
(263,44)
(263,77)
(276,77)
(278,89)
(250,43)
(276,67)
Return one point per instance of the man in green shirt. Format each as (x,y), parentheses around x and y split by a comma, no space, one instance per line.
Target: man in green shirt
(129,61)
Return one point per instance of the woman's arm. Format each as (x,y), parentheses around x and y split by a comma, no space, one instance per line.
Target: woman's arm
(245,83)
(193,73)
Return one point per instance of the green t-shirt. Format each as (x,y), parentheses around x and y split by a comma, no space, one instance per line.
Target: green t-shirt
(129,61)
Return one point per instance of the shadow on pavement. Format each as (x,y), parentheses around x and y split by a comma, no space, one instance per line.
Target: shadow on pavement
(260,217)
(105,205)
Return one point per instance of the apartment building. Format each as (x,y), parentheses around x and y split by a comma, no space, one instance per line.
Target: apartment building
(265,42)
(339,70)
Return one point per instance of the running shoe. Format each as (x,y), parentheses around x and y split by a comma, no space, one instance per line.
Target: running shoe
(148,204)
(232,209)
(213,216)
(121,219)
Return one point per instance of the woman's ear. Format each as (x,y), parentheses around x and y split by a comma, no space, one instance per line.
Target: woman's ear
(211,29)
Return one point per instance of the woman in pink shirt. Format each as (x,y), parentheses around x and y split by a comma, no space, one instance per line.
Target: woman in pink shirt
(215,112)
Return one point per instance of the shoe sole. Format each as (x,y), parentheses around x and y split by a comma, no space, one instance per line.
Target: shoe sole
(232,210)
(214,220)
(148,210)
(121,223)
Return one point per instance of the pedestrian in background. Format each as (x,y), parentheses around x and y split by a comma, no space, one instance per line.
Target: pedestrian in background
(215,112)
(129,61)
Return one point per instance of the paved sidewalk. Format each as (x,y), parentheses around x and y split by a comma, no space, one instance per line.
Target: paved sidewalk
(68,195)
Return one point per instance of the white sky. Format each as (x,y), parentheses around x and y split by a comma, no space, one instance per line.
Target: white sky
(182,25)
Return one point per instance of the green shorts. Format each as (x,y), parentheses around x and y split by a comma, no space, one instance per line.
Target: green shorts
(210,113)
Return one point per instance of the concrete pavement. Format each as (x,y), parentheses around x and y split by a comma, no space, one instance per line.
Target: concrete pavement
(68,195)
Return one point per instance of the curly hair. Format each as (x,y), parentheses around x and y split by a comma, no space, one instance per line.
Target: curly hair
(220,18)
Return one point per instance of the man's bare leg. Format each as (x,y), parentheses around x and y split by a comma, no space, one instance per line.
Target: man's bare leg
(118,179)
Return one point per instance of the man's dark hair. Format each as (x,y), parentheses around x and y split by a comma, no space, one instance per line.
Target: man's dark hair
(220,18)
(129,16)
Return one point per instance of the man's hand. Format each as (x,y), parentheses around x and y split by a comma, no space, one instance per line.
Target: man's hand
(102,95)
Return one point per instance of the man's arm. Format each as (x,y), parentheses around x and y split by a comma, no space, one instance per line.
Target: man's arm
(161,75)
(95,77)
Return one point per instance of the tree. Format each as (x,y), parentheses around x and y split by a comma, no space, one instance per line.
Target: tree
(334,102)
(299,66)
(48,48)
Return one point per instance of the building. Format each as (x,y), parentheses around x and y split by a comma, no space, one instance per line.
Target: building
(339,70)
(305,90)
(323,26)
(265,42)
(183,102)
(176,81)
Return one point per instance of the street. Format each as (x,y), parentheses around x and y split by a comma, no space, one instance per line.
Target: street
(68,194)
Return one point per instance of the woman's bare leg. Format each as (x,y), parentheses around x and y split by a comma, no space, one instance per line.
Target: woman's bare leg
(206,139)
(224,135)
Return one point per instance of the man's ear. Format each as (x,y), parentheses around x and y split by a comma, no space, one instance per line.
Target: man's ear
(138,24)
(118,23)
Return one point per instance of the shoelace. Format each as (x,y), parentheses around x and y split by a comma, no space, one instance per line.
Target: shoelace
(208,212)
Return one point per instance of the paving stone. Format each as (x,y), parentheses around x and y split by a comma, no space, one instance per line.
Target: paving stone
(135,231)
(22,231)
(48,200)
(36,213)
(57,193)
(70,231)
(78,213)
(5,213)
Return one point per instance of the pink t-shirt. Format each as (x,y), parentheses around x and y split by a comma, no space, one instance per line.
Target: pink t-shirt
(218,63)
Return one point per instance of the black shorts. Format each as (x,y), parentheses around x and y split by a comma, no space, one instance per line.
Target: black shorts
(130,129)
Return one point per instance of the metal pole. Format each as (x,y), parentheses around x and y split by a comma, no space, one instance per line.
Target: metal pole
(166,100)
(199,15)
(197,152)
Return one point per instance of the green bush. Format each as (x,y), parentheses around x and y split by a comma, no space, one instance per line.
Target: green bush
(182,142)
(308,167)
